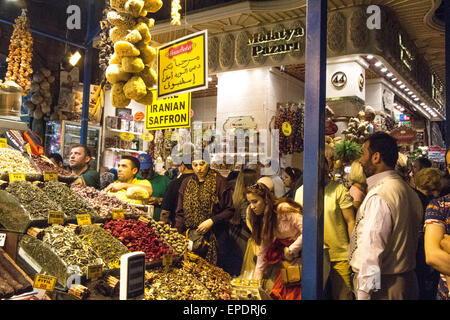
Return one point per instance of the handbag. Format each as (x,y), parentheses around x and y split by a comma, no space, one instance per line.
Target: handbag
(291,272)
(199,244)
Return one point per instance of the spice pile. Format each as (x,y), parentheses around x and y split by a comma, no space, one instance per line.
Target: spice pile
(104,244)
(33,199)
(12,160)
(175,284)
(71,203)
(69,247)
(136,236)
(214,278)
(20,54)
(104,203)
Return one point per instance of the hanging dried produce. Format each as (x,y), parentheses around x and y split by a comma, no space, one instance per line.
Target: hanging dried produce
(20,54)
(33,199)
(175,13)
(214,278)
(130,68)
(136,236)
(40,104)
(106,45)
(174,284)
(70,202)
(291,118)
(297,131)
(357,130)
(104,244)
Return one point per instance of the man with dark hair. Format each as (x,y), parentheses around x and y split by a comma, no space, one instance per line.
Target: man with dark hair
(56,159)
(384,241)
(79,159)
(127,170)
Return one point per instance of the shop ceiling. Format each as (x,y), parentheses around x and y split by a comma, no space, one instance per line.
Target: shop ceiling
(417,18)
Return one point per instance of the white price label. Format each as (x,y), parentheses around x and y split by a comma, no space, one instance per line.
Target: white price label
(190,245)
(2,239)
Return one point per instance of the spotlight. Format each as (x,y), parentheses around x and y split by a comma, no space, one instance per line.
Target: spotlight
(370,57)
(378,64)
(74,58)
(383,70)
(399,82)
(390,74)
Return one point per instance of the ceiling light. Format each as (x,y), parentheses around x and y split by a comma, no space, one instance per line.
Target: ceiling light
(370,57)
(209,79)
(410,93)
(422,104)
(399,82)
(416,99)
(383,70)
(74,58)
(393,79)
(402,86)
(390,74)
(378,64)
(414,96)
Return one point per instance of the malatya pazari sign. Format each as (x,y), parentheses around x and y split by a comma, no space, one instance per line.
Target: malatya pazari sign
(269,43)
(183,65)
(168,113)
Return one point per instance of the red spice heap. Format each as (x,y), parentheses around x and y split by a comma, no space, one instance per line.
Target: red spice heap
(136,236)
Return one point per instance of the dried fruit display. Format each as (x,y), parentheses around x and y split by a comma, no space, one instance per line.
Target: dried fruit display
(35,201)
(175,13)
(106,45)
(12,281)
(137,236)
(357,130)
(104,244)
(20,54)
(70,248)
(104,203)
(214,278)
(171,236)
(70,202)
(174,284)
(45,164)
(130,69)
(12,160)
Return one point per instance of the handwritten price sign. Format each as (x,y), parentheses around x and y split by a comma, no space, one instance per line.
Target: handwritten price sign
(183,65)
(44,282)
(83,219)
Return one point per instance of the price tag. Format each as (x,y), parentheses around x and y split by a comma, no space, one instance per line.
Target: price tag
(83,219)
(94,271)
(44,282)
(28,148)
(126,136)
(16,177)
(50,176)
(286,128)
(2,239)
(3,143)
(147,136)
(56,217)
(118,214)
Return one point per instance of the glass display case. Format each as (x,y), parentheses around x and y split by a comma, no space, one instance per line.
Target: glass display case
(61,135)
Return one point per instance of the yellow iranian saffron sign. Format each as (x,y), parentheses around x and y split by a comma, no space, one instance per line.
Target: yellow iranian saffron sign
(183,65)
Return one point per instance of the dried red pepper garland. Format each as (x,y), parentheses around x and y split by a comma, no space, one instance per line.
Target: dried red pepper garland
(136,236)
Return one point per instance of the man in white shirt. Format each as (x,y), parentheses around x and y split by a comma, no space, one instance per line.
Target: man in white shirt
(384,242)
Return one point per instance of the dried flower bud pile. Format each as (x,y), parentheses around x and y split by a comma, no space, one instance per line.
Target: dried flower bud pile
(20,54)
(136,236)
(104,203)
(171,236)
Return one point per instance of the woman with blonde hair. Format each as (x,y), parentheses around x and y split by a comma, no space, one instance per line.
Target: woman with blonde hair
(359,184)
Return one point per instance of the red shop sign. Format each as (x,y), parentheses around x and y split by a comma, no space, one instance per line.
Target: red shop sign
(404,135)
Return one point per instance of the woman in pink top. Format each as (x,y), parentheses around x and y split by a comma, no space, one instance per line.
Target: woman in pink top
(277,228)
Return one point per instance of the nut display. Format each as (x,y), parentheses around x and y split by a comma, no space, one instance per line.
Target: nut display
(214,278)
(174,284)
(33,199)
(104,203)
(70,202)
(104,244)
(20,54)
(12,160)
(136,236)
(171,236)
(69,248)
